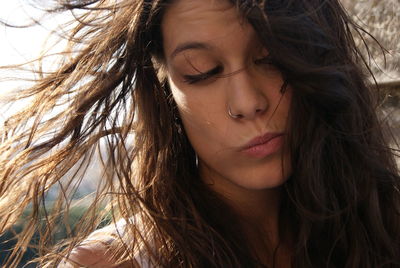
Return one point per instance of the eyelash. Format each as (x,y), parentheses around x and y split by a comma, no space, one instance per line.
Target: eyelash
(192,79)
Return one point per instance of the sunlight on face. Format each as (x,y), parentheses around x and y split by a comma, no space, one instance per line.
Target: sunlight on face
(228,95)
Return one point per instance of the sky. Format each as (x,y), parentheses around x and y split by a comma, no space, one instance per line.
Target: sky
(19,45)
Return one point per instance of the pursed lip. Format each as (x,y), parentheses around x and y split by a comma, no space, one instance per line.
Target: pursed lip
(261,140)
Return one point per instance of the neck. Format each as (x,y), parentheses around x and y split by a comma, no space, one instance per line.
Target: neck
(258,208)
(254,207)
(258,213)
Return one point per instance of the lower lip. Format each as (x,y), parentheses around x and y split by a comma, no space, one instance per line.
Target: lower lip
(265,149)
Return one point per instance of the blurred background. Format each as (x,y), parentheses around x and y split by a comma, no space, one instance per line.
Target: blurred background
(381,18)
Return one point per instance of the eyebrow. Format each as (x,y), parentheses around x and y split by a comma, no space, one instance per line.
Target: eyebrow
(189,45)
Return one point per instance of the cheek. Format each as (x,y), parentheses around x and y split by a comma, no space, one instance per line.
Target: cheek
(215,137)
(281,106)
(202,117)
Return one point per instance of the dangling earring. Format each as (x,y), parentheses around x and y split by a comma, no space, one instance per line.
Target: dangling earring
(177,119)
(197,159)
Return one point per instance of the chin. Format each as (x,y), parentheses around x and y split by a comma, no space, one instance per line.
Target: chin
(267,176)
(270,180)
(228,177)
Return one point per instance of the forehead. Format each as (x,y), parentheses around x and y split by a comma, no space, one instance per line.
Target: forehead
(209,21)
(198,9)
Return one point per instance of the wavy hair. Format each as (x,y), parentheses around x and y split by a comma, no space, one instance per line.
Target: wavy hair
(341,203)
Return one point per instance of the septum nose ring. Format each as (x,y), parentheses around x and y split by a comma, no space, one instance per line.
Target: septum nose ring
(235,116)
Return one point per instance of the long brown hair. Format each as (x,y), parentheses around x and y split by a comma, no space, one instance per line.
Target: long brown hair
(341,202)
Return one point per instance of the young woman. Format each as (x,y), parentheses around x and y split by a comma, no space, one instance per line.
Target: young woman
(257,141)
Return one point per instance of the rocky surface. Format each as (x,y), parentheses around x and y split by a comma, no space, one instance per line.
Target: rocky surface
(381,18)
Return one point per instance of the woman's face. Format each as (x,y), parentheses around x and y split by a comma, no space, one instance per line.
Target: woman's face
(227,94)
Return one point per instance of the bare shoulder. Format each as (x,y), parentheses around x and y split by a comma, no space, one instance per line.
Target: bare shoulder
(94,257)
(88,256)
(94,251)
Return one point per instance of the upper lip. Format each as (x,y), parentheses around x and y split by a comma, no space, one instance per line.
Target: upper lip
(261,139)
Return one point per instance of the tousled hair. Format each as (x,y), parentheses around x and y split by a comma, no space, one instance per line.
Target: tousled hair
(341,203)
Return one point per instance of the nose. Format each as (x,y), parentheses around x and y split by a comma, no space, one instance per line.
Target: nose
(245,98)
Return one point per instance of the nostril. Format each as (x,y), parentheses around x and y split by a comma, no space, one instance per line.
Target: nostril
(238,116)
(258,111)
(234,116)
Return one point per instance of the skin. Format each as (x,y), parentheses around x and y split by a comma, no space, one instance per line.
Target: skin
(242,84)
(245,86)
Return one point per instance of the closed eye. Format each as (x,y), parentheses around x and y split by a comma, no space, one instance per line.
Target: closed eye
(265,60)
(191,79)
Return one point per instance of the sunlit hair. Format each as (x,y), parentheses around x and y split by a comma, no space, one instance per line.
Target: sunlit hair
(341,204)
